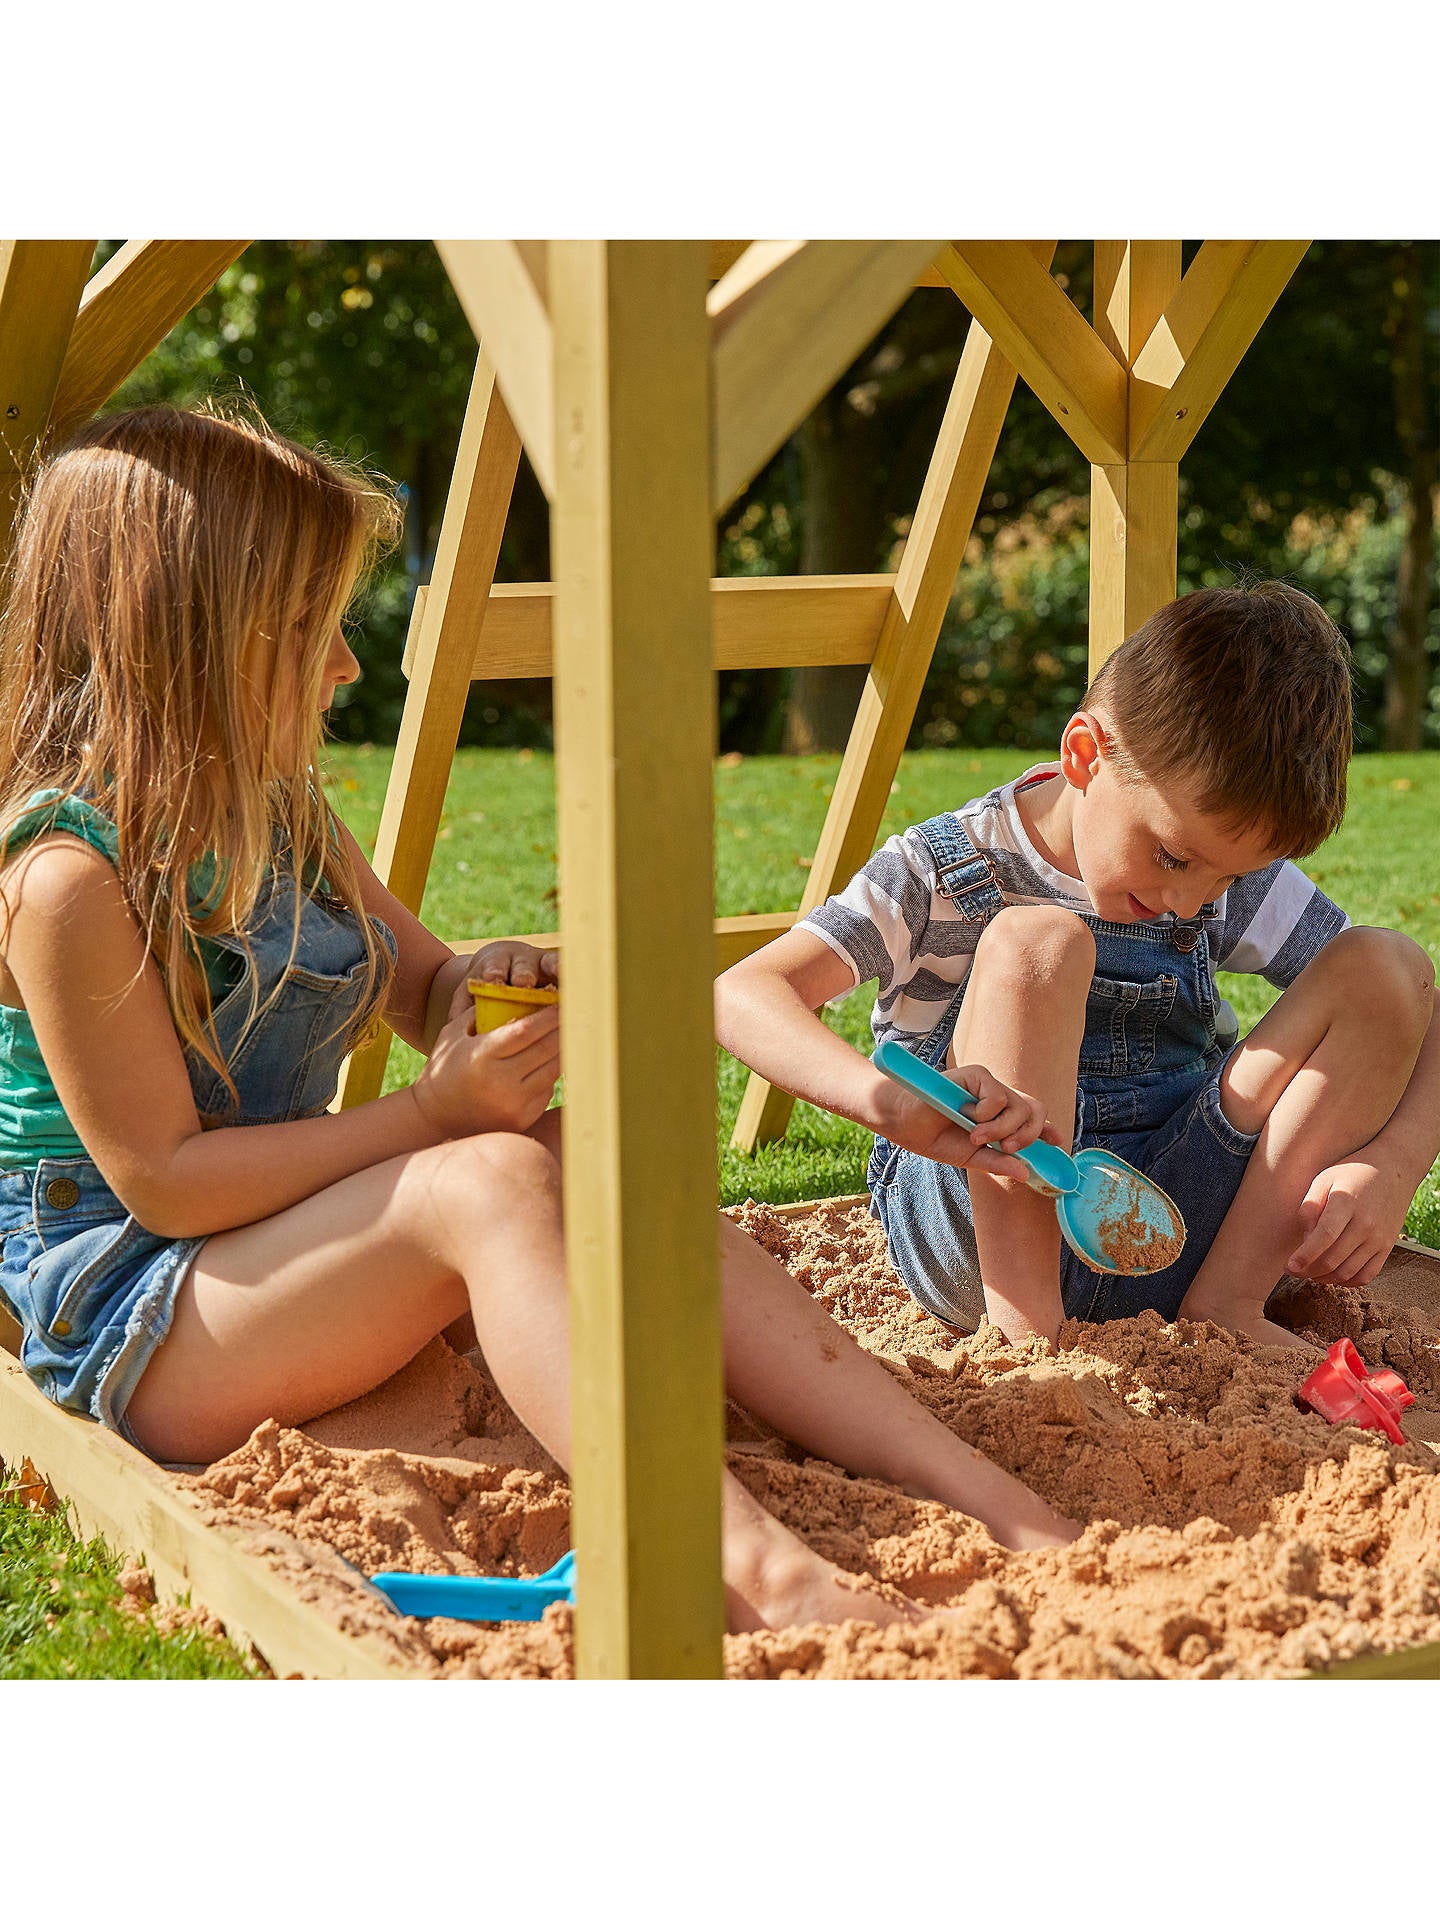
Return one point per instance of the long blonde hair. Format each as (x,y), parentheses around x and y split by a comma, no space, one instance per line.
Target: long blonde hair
(171,592)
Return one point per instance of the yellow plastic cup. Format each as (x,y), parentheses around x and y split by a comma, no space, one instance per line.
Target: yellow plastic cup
(496,1004)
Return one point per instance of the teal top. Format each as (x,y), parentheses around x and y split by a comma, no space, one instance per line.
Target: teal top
(33,1124)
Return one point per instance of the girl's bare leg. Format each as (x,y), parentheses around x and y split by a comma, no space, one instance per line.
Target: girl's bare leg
(299,1312)
(1317,1078)
(788,1361)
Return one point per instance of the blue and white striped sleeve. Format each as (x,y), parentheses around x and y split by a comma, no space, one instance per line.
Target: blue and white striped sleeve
(877,923)
(1275,923)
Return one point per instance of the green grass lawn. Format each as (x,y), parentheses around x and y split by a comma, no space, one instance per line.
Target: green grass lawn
(494,872)
(60,1617)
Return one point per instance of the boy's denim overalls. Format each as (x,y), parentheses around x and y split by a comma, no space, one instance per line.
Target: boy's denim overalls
(1148,1090)
(93,1290)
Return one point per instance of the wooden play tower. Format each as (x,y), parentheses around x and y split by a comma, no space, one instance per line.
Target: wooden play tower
(648,382)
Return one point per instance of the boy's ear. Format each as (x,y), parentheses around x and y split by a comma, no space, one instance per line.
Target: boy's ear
(1083,745)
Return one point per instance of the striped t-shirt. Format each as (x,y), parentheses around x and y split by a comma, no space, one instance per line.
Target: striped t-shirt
(893,924)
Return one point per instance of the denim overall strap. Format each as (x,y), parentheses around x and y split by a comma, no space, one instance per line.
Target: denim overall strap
(966,877)
(1150,1035)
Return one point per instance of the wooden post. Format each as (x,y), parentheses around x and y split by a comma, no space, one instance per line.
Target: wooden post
(635,735)
(446,625)
(1133,503)
(948,503)
(41,282)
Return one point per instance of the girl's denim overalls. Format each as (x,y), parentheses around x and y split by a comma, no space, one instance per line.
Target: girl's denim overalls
(1148,1090)
(94,1291)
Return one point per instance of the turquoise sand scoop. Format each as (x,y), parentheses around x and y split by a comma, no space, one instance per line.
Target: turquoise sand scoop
(458,1596)
(1116,1220)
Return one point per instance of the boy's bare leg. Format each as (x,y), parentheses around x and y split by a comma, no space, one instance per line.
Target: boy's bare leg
(1023,1017)
(1317,1078)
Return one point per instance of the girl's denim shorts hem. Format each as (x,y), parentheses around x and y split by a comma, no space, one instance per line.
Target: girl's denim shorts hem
(1195,1154)
(94,1292)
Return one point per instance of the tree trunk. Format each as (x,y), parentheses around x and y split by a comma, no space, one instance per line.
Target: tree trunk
(842,535)
(1407,671)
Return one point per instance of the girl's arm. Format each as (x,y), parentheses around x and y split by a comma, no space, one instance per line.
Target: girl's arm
(103,1026)
(426,991)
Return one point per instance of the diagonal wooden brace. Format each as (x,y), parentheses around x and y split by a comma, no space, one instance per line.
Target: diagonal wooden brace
(786,321)
(41,282)
(446,623)
(1045,337)
(949,501)
(1181,370)
(499,284)
(128,308)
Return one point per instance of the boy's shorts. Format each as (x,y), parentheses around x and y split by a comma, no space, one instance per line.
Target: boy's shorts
(1193,1153)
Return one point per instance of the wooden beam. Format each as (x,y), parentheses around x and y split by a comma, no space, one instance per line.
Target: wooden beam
(724,254)
(1134,504)
(949,501)
(1181,369)
(446,625)
(41,282)
(785,327)
(634,731)
(140,1509)
(128,308)
(735,936)
(773,620)
(496,283)
(1046,339)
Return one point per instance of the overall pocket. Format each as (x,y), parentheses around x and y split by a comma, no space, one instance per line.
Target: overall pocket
(1123,1019)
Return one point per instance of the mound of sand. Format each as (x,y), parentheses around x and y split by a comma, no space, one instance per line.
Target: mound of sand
(1232,1532)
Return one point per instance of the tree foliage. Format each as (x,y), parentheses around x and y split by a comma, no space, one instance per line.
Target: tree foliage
(1300,470)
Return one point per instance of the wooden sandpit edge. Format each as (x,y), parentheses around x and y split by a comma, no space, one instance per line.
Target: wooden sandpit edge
(115,1491)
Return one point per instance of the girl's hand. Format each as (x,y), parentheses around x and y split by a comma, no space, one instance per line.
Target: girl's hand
(510,963)
(1350,1220)
(1005,1121)
(499,1082)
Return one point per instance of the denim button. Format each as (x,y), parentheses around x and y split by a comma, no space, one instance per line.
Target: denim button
(60,1329)
(1186,939)
(61,1194)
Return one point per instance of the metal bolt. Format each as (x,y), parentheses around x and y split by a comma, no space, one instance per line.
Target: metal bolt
(12,413)
(1181,412)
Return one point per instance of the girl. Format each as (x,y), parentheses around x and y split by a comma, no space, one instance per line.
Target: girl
(192,943)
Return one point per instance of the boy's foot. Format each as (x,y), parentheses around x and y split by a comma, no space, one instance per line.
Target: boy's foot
(1266,1333)
(1241,1316)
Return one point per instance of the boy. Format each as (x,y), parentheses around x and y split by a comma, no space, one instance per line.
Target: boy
(1065,928)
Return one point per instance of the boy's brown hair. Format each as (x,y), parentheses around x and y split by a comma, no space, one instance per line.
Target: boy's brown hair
(1243,692)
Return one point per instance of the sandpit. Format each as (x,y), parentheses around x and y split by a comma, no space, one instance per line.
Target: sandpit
(1232,1534)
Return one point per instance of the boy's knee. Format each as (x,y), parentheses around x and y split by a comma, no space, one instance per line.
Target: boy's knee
(1046,946)
(1378,968)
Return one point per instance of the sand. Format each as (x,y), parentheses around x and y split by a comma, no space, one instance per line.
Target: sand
(1232,1533)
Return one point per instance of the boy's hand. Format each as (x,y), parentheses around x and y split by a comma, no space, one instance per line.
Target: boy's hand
(1350,1219)
(511,963)
(1005,1121)
(491,1082)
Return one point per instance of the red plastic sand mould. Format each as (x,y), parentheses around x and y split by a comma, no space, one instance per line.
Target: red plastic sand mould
(1341,1389)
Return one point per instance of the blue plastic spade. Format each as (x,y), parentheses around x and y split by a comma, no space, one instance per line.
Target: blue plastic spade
(1116,1220)
(457,1596)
